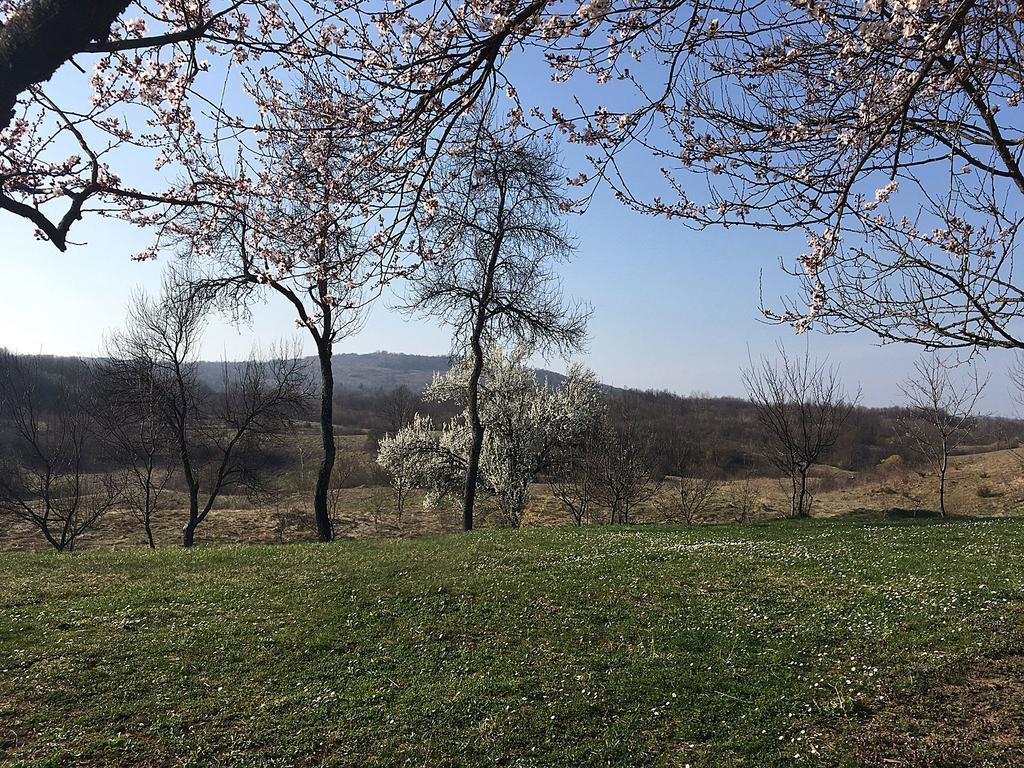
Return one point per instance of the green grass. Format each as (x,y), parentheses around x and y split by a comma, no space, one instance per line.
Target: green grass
(649,646)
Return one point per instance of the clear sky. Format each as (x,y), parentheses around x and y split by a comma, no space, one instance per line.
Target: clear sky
(673,309)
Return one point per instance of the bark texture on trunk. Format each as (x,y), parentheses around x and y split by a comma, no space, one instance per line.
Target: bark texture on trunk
(476,447)
(321,508)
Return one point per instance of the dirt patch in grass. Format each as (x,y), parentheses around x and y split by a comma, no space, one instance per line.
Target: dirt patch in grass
(974,718)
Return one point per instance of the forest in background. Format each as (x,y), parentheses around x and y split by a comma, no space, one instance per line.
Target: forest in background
(377,393)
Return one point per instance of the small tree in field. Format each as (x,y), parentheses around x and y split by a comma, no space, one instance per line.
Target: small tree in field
(217,434)
(577,473)
(491,279)
(625,472)
(137,438)
(404,456)
(940,413)
(697,480)
(45,481)
(801,408)
(526,424)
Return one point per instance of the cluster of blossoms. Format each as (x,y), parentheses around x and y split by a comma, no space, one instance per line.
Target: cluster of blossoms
(526,424)
(825,104)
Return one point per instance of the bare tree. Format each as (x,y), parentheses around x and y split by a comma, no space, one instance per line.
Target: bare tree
(626,476)
(45,482)
(137,437)
(696,490)
(492,276)
(744,497)
(218,435)
(398,408)
(801,408)
(576,478)
(940,413)
(697,480)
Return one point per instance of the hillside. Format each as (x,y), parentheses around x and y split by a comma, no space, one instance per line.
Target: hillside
(723,432)
(377,371)
(831,644)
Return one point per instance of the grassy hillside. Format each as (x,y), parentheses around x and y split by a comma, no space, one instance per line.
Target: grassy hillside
(778,644)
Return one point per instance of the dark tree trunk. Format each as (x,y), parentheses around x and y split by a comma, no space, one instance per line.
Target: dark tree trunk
(321,511)
(803,507)
(942,485)
(475,448)
(188,534)
(147,519)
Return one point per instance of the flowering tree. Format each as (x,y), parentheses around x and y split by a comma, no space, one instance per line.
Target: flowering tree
(525,424)
(288,221)
(166,78)
(491,278)
(147,64)
(889,132)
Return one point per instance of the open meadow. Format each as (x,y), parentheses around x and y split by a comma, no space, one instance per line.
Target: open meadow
(843,642)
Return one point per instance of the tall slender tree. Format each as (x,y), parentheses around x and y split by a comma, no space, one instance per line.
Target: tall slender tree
(491,277)
(291,226)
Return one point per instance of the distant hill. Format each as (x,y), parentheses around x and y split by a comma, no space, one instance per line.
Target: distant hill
(724,431)
(377,371)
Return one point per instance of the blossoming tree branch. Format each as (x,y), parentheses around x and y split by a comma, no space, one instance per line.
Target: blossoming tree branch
(889,133)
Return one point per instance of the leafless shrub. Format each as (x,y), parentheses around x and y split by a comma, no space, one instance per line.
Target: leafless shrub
(801,407)
(45,482)
(940,416)
(625,474)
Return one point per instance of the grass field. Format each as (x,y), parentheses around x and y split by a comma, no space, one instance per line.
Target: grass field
(840,642)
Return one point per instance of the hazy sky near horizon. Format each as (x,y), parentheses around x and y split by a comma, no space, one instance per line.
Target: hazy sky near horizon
(673,308)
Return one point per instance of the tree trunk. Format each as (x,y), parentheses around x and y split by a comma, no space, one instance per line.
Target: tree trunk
(188,536)
(321,512)
(147,513)
(43,34)
(942,485)
(803,508)
(477,444)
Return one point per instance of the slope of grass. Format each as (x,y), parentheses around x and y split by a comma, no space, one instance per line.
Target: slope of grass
(764,645)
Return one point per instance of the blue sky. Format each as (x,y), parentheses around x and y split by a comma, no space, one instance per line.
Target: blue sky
(673,308)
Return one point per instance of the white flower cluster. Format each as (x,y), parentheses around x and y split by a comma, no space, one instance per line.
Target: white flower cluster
(526,422)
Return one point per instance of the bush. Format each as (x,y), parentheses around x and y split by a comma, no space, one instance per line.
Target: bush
(985,492)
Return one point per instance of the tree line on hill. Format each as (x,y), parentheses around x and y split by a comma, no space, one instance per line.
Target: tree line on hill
(79,437)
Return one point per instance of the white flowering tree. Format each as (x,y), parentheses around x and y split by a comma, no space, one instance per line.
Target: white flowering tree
(526,423)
